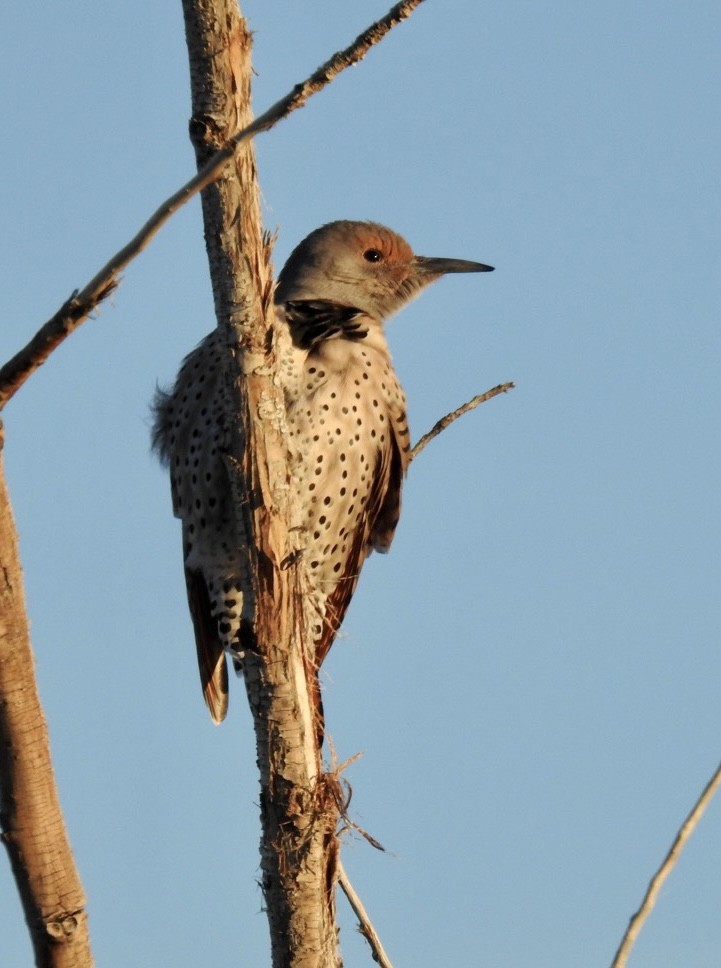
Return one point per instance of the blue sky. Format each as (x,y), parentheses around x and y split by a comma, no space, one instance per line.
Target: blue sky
(533,672)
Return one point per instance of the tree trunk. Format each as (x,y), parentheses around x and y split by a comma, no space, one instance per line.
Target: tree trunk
(300,805)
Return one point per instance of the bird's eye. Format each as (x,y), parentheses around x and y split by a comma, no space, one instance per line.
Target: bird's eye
(372,255)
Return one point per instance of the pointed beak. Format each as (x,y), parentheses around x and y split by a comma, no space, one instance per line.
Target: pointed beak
(439,267)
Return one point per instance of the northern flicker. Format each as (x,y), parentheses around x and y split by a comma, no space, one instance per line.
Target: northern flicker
(346,415)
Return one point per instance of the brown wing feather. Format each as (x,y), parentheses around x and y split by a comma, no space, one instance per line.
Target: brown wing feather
(211,655)
(386,521)
(382,511)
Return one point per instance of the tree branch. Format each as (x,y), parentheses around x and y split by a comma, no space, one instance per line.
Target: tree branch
(449,418)
(365,925)
(32,822)
(654,887)
(83,302)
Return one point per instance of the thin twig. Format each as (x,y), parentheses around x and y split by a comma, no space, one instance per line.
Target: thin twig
(81,304)
(364,922)
(682,837)
(449,418)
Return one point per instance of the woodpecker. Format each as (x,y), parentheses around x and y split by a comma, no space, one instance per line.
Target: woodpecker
(349,439)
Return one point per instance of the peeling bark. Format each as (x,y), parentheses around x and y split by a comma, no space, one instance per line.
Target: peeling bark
(300,806)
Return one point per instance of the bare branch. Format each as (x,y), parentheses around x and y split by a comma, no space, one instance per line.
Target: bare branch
(449,418)
(81,304)
(682,837)
(365,925)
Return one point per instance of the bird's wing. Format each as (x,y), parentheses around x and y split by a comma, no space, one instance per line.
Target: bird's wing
(386,520)
(375,529)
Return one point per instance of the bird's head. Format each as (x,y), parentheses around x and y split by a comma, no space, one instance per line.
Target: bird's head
(364,265)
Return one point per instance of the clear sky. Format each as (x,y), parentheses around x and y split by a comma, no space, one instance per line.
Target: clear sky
(533,673)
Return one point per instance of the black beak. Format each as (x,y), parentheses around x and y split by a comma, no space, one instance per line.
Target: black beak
(439,267)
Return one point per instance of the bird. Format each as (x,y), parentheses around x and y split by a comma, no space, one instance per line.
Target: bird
(348,434)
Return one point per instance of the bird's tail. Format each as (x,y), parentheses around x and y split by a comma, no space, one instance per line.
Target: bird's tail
(211,654)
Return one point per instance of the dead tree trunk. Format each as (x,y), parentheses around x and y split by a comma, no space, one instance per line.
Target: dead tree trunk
(299,805)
